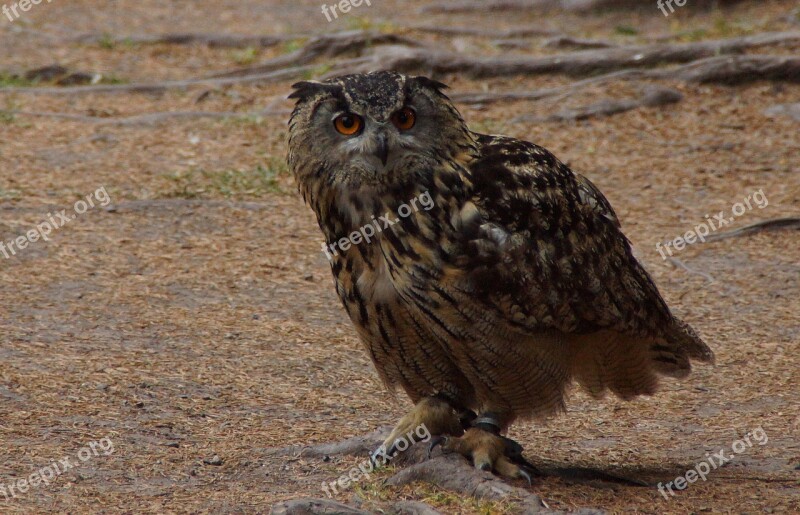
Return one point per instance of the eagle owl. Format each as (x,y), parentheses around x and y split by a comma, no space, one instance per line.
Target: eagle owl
(512,283)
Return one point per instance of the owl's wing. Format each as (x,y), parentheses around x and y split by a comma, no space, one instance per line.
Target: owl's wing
(545,248)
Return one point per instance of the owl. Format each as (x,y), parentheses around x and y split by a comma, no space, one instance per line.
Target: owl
(506,282)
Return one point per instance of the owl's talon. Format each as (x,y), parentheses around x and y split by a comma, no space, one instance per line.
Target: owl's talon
(431,418)
(526,476)
(492,452)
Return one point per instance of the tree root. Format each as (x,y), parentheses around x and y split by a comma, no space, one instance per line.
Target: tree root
(584,62)
(722,70)
(520,5)
(736,70)
(148,119)
(330,45)
(652,97)
(447,471)
(314,507)
(329,507)
(570,42)
(772,224)
(401,54)
(487,6)
(210,40)
(452,472)
(160,87)
(522,32)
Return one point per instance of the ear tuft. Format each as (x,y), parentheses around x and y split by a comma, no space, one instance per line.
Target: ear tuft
(309,88)
(426,82)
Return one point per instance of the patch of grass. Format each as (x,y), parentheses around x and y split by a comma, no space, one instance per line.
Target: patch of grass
(374,493)
(7,115)
(625,30)
(245,56)
(109,42)
(359,23)
(8,80)
(695,35)
(317,71)
(113,79)
(721,27)
(293,45)
(238,184)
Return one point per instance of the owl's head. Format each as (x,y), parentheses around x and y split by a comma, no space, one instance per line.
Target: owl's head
(379,129)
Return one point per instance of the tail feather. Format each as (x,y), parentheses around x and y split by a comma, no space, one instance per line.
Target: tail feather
(628,365)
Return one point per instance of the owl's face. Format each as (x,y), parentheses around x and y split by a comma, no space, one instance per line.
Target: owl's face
(377,129)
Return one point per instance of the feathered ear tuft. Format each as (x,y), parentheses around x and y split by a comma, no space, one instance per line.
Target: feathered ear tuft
(435,85)
(309,88)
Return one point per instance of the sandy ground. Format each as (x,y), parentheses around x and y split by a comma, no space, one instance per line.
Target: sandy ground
(186,325)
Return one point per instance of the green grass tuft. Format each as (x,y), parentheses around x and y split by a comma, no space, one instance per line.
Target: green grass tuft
(232,183)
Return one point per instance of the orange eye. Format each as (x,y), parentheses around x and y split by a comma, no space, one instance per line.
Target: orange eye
(348,124)
(404,119)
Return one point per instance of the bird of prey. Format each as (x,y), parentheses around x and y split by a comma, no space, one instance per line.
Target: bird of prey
(508,280)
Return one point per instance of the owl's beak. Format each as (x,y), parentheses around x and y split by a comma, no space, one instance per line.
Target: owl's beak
(382,149)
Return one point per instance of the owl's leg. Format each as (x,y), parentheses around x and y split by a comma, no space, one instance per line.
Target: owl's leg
(430,418)
(488,450)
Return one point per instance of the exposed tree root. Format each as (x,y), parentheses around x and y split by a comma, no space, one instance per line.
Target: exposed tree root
(652,97)
(724,70)
(772,224)
(467,6)
(452,472)
(148,119)
(356,446)
(405,55)
(330,45)
(522,32)
(491,5)
(211,40)
(570,42)
(740,69)
(314,507)
(160,87)
(329,507)
(574,63)
(448,471)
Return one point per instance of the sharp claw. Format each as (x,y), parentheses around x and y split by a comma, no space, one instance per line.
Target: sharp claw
(435,442)
(392,450)
(483,466)
(527,476)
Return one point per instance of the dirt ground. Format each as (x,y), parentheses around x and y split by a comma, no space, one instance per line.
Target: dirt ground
(189,321)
